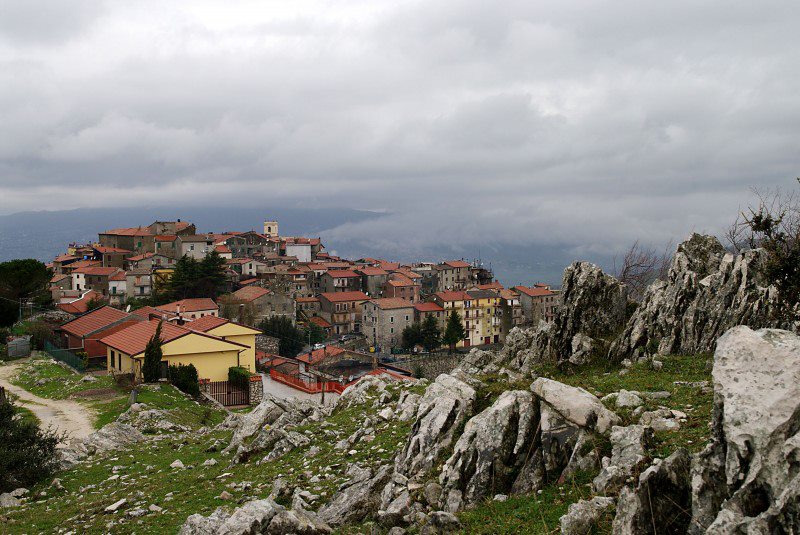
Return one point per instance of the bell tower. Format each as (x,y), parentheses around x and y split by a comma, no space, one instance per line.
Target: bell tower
(271,229)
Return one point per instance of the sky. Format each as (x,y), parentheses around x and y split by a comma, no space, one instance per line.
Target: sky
(585,125)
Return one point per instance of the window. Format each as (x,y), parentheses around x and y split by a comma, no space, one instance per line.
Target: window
(391,319)
(158,245)
(113,362)
(119,362)
(391,330)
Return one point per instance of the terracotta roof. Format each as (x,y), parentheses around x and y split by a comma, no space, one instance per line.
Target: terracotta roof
(80,305)
(307,299)
(222,249)
(139,257)
(482,294)
(250,293)
(95,320)
(318,355)
(58,276)
(84,263)
(146,312)
(428,307)
(128,231)
(166,237)
(390,303)
(206,323)
(133,339)
(121,276)
(389,266)
(509,294)
(338,297)
(105,250)
(321,322)
(534,292)
(65,258)
(247,282)
(190,305)
(456,264)
(342,273)
(398,279)
(456,295)
(408,273)
(495,285)
(372,271)
(96,270)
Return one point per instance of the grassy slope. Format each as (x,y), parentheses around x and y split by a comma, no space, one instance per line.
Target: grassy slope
(145,468)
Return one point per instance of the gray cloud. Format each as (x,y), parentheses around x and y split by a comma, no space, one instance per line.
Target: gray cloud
(588,124)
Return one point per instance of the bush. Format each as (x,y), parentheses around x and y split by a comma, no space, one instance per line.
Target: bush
(27,454)
(84,356)
(184,377)
(238,376)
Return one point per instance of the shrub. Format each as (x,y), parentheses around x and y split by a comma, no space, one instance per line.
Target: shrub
(238,376)
(152,357)
(184,377)
(27,453)
(84,356)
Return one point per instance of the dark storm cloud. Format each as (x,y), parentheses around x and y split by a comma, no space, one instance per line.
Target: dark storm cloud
(585,123)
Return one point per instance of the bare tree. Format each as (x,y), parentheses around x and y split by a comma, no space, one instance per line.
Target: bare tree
(778,211)
(640,266)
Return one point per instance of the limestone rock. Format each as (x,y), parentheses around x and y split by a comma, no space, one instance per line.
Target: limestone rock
(583,515)
(747,479)
(254,517)
(357,498)
(112,437)
(660,502)
(7,500)
(446,404)
(707,291)
(628,445)
(575,405)
(490,452)
(593,308)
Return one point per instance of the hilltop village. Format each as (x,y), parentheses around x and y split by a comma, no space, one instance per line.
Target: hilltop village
(364,314)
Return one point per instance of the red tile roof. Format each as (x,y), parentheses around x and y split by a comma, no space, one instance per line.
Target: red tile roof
(128,231)
(105,250)
(318,355)
(96,270)
(206,323)
(190,305)
(65,258)
(455,295)
(83,263)
(222,249)
(121,276)
(388,266)
(166,237)
(339,297)
(390,303)
(491,286)
(457,264)
(250,293)
(428,307)
(80,305)
(133,339)
(94,321)
(307,299)
(146,312)
(321,322)
(58,276)
(372,271)
(246,282)
(342,273)
(140,257)
(534,292)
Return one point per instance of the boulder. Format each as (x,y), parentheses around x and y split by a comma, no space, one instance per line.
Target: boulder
(254,517)
(748,479)
(491,451)
(111,437)
(628,445)
(250,424)
(575,404)
(706,292)
(660,502)
(583,515)
(7,500)
(446,404)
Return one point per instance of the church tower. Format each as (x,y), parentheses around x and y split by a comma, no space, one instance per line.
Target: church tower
(271,229)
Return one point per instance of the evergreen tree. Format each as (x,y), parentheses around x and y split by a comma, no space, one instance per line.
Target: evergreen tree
(454,330)
(22,279)
(431,334)
(27,453)
(412,335)
(211,279)
(291,338)
(151,369)
(314,333)
(181,283)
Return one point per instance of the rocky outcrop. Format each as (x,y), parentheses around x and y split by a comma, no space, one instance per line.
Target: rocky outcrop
(357,498)
(112,437)
(592,312)
(707,291)
(575,404)
(583,515)
(628,445)
(444,407)
(491,451)
(660,502)
(255,517)
(747,480)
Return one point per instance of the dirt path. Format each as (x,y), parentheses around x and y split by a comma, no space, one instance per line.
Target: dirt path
(63,414)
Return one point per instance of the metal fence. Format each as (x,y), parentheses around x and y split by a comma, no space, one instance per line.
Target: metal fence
(229,394)
(64,355)
(19,347)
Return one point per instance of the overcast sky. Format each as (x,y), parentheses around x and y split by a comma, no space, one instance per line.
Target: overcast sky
(585,123)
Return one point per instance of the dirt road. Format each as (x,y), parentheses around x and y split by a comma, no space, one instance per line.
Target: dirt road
(63,414)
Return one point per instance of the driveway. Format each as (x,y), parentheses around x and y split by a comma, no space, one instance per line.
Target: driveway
(64,415)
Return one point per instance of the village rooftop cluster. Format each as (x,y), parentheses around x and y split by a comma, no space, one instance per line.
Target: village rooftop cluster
(362,306)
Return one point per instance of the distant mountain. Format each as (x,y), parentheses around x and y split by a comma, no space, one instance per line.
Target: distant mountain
(44,235)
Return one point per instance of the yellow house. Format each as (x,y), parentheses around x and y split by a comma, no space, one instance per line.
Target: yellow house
(479,314)
(233,332)
(211,355)
(461,303)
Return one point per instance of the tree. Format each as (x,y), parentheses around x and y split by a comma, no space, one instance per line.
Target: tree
(211,279)
(774,226)
(314,333)
(431,334)
(412,335)
(182,282)
(291,340)
(22,279)
(454,330)
(27,453)
(640,266)
(151,369)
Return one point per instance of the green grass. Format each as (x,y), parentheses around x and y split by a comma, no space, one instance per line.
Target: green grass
(59,382)
(145,469)
(25,414)
(535,513)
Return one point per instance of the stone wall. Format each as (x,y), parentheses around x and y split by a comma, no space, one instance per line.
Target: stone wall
(256,389)
(267,344)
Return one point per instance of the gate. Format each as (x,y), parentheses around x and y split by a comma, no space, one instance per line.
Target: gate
(228,393)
